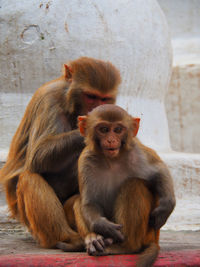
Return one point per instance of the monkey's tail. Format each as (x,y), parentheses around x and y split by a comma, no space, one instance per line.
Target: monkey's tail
(148,256)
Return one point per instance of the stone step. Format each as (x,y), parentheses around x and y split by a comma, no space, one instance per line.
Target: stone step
(185,170)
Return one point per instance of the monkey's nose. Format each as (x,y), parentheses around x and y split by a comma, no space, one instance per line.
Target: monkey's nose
(111,141)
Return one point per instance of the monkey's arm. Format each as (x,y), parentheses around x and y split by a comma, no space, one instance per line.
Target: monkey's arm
(161,184)
(92,210)
(94,218)
(52,153)
(52,144)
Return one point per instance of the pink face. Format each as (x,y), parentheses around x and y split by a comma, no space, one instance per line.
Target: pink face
(110,136)
(92,100)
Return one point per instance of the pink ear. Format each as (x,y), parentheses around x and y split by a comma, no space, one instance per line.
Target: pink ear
(136,124)
(68,72)
(82,124)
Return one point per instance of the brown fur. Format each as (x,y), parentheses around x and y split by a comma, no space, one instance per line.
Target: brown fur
(92,75)
(126,189)
(132,209)
(41,169)
(96,74)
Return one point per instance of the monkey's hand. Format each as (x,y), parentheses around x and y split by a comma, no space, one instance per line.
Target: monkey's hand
(160,214)
(158,218)
(77,140)
(108,229)
(95,244)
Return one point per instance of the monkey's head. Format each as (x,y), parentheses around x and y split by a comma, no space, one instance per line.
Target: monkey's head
(108,129)
(92,83)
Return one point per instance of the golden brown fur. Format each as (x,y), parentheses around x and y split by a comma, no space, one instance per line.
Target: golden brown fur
(40,173)
(132,210)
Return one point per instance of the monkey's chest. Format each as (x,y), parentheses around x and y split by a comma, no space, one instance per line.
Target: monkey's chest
(108,189)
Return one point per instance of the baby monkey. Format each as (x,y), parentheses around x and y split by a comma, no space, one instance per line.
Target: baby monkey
(126,191)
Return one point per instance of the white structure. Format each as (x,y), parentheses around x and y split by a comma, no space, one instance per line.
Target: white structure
(183,109)
(37,37)
(183,98)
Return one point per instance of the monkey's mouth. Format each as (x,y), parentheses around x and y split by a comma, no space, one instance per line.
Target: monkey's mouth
(111,151)
(112,148)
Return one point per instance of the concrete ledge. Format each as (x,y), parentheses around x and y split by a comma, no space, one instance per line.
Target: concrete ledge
(185,170)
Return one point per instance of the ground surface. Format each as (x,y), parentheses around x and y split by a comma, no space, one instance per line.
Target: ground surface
(17,248)
(14,239)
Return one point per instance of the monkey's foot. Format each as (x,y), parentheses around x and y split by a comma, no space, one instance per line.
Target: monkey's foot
(95,244)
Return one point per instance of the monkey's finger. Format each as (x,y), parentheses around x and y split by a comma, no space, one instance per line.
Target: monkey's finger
(117,235)
(108,241)
(159,222)
(89,238)
(120,236)
(116,226)
(100,240)
(98,245)
(157,218)
(91,250)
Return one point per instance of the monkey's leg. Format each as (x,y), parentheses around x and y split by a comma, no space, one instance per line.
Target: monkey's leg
(69,211)
(41,210)
(76,242)
(80,223)
(94,243)
(133,206)
(132,209)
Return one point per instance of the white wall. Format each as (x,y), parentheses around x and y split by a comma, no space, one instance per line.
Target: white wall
(37,37)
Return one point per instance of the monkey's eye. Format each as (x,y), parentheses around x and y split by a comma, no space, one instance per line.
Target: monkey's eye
(90,96)
(103,129)
(105,99)
(118,129)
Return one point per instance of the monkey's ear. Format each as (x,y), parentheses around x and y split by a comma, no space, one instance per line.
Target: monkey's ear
(82,124)
(67,72)
(136,125)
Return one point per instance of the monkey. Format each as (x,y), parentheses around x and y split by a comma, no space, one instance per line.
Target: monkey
(126,190)
(40,173)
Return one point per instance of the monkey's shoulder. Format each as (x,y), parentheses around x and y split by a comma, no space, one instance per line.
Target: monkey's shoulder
(50,94)
(149,153)
(141,163)
(58,84)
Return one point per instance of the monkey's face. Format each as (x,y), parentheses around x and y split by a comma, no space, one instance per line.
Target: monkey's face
(110,136)
(108,129)
(93,99)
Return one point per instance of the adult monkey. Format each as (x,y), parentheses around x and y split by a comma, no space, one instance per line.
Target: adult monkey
(40,173)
